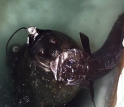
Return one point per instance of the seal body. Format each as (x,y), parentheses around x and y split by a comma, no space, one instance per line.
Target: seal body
(40,87)
(34,81)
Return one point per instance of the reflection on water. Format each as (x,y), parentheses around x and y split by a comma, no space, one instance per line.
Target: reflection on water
(94,18)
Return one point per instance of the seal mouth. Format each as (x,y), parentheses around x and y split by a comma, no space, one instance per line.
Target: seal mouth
(64,66)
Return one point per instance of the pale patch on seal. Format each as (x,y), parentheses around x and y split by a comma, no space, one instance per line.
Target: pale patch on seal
(123,43)
(15,49)
(59,60)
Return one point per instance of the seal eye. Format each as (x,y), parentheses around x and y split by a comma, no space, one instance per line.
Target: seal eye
(41,52)
(53,40)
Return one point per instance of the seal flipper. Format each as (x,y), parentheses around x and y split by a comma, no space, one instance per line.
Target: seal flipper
(85,43)
(89,86)
(91,89)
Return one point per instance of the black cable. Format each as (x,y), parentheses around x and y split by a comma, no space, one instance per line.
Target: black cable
(10,39)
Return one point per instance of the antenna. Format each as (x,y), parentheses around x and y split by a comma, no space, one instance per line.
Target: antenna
(10,39)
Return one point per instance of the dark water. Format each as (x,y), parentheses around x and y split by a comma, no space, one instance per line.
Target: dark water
(94,18)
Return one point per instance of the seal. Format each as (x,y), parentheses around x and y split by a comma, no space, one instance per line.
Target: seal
(51,68)
(34,81)
(76,67)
